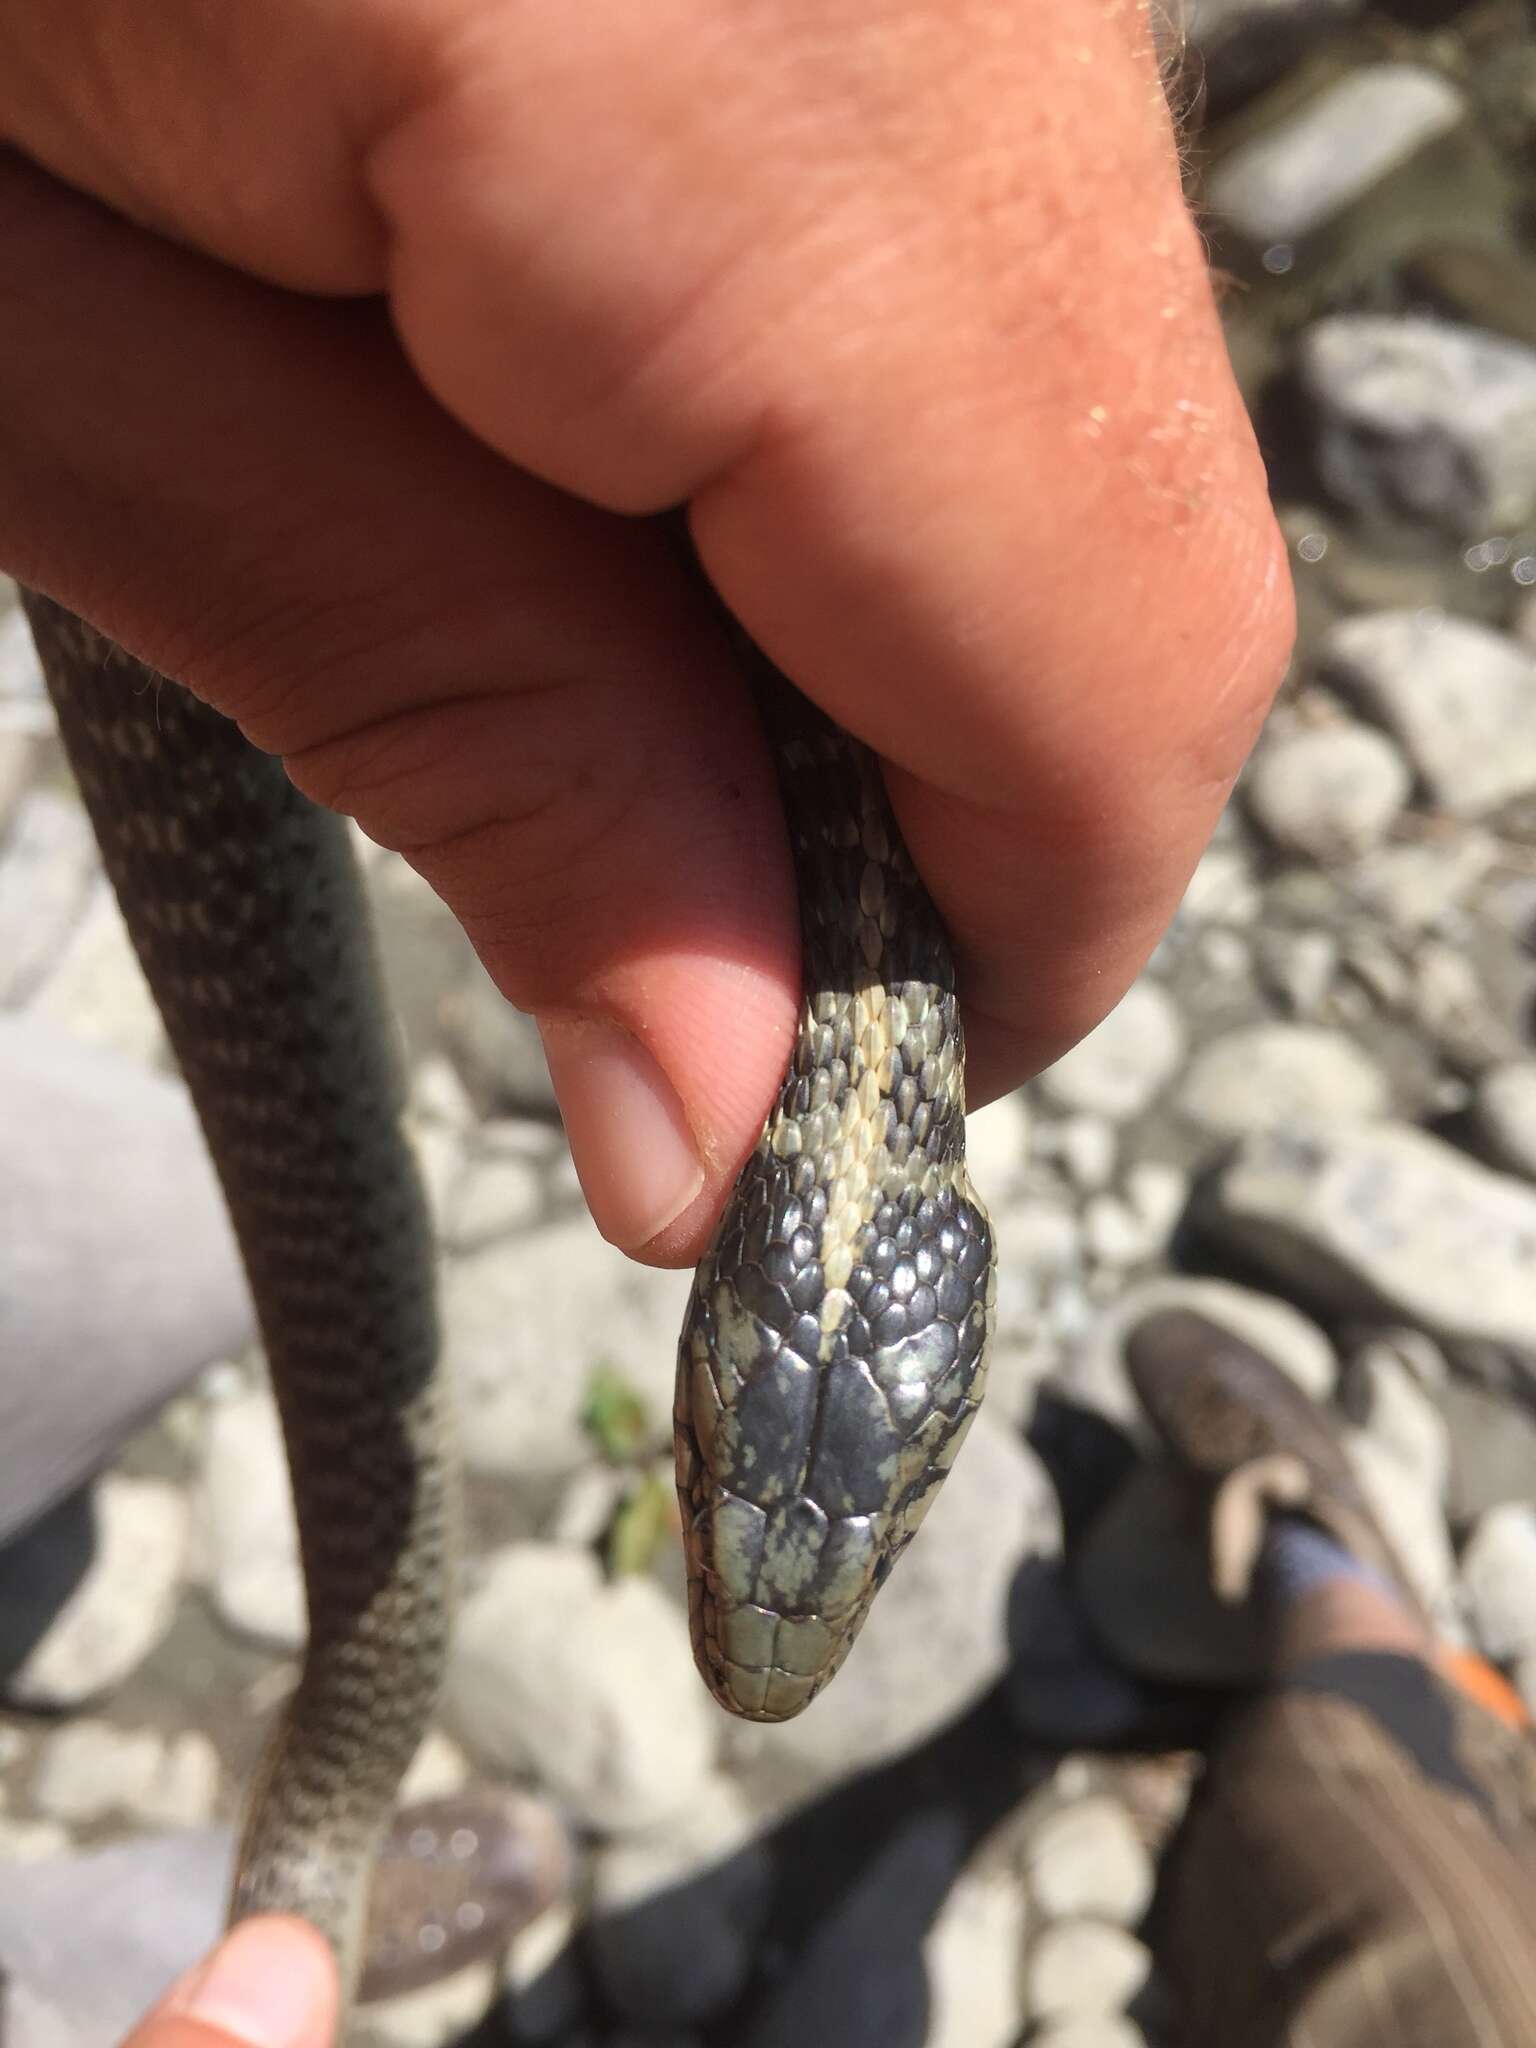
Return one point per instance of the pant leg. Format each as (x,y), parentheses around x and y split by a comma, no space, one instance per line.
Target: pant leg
(1331,1888)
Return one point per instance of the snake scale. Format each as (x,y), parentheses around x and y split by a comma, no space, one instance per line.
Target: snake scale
(833,1352)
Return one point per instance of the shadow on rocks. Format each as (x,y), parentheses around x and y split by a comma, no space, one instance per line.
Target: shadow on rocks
(811,1933)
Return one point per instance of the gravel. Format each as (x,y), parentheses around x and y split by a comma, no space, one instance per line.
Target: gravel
(1313,1117)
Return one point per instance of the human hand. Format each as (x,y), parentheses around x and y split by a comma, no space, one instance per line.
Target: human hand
(269,1984)
(901,299)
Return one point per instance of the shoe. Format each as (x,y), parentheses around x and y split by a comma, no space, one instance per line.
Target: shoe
(1254,1442)
(456,1879)
(1165,1573)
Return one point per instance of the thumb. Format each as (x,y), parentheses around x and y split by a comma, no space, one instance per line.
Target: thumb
(270,1983)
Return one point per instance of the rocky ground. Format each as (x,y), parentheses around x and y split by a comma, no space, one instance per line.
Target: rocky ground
(1315,1113)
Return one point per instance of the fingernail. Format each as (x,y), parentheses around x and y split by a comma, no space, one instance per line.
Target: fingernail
(634,1153)
(267,1983)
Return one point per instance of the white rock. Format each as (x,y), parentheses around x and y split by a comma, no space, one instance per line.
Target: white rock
(1039,1250)
(529,1321)
(1299,967)
(972,1957)
(1505,1108)
(1460,697)
(21,673)
(1157,1192)
(1498,1570)
(1411,1518)
(445,2011)
(1413,888)
(1387,1399)
(19,758)
(1384,1219)
(439,1770)
(1114,1234)
(997,1145)
(1272,1076)
(96,989)
(122,1607)
(1222,889)
(1086,1859)
(91,1770)
(1118,1069)
(1424,419)
(438,1096)
(246,1509)
(590,1687)
(1287,181)
(1096,2030)
(1085,1146)
(1330,792)
(493,1198)
(47,870)
(1082,1967)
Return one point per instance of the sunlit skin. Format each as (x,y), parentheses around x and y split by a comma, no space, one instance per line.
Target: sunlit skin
(900,299)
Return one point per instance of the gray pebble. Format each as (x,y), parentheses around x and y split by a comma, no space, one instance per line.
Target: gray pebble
(1460,697)
(1091,2030)
(1118,1069)
(588,1686)
(48,866)
(1282,184)
(1330,792)
(91,1770)
(1298,968)
(1086,1858)
(971,1955)
(1272,1076)
(1387,1399)
(529,1320)
(1505,1108)
(1493,1448)
(494,1197)
(1083,1146)
(1408,1508)
(245,1506)
(1424,421)
(1498,1571)
(1384,1219)
(1078,1968)
(1222,890)
(95,992)
(1414,888)
(997,1145)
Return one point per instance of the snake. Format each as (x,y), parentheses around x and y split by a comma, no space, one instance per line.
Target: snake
(833,1353)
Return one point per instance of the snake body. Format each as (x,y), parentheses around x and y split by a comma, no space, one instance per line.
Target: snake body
(834,1349)
(833,1353)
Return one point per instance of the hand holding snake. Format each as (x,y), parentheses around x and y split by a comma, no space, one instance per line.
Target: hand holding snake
(425,305)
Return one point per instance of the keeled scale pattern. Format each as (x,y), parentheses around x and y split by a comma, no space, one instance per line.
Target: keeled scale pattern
(244,906)
(834,1349)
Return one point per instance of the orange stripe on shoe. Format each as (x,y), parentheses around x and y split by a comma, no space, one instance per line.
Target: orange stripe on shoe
(1477,1678)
